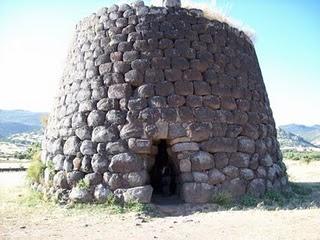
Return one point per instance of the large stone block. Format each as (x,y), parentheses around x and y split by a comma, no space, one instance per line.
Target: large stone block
(236,187)
(220,144)
(216,177)
(104,134)
(118,91)
(140,145)
(71,146)
(125,163)
(239,159)
(196,192)
(201,161)
(141,194)
(188,146)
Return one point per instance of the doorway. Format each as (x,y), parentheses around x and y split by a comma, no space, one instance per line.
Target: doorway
(163,176)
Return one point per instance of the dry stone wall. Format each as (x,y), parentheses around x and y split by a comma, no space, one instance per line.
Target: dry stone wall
(138,74)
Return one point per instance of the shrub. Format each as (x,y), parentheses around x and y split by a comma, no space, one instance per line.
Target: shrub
(83,184)
(272,197)
(222,199)
(300,190)
(248,201)
(36,168)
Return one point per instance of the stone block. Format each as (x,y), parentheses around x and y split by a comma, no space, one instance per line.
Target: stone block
(118,91)
(140,145)
(104,134)
(257,187)
(183,88)
(71,146)
(196,192)
(185,165)
(216,177)
(188,146)
(175,100)
(239,159)
(220,144)
(134,77)
(141,194)
(125,163)
(201,161)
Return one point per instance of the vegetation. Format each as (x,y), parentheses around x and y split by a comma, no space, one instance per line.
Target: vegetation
(29,154)
(223,199)
(36,167)
(83,184)
(306,156)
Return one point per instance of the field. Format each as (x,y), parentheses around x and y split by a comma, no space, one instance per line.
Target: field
(24,216)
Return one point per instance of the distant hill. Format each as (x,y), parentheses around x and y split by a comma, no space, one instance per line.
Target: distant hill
(309,133)
(290,140)
(19,121)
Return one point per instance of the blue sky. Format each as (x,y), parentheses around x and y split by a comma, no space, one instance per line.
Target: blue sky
(35,35)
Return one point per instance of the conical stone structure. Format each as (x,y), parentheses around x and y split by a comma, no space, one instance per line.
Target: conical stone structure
(140,77)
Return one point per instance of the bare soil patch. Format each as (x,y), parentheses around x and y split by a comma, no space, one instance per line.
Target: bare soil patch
(47,221)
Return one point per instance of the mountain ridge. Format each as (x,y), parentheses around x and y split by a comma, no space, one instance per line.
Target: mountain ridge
(19,121)
(309,133)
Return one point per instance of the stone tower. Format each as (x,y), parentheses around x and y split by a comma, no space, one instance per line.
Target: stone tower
(161,100)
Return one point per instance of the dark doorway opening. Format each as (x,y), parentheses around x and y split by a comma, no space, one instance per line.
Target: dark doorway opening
(164,177)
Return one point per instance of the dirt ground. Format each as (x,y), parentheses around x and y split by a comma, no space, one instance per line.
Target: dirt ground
(20,222)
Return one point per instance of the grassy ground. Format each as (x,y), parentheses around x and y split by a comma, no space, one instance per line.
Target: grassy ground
(25,215)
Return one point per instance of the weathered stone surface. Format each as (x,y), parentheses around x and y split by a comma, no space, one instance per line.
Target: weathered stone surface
(196,192)
(118,91)
(86,164)
(257,187)
(134,77)
(80,195)
(87,148)
(266,160)
(115,147)
(216,177)
(221,160)
(201,161)
(199,132)
(132,130)
(246,145)
(116,117)
(103,134)
(185,165)
(141,194)
(96,118)
(239,159)
(125,163)
(71,146)
(140,145)
(246,174)
(93,179)
(176,130)
(183,88)
(107,104)
(181,147)
(102,194)
(60,180)
(231,171)
(236,187)
(220,145)
(200,177)
(99,163)
(136,179)
(58,162)
(74,177)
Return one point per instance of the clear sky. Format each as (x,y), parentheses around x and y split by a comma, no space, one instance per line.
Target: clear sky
(35,35)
